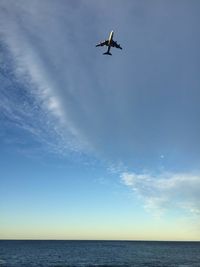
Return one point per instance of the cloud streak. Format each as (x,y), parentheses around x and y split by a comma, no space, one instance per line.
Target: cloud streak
(25,110)
(166,191)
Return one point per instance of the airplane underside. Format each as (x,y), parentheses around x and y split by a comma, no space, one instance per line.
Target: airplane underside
(110,43)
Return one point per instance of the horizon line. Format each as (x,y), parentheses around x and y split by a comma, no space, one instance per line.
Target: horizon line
(103,240)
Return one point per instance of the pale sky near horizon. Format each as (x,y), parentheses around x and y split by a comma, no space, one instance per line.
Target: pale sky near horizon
(99,147)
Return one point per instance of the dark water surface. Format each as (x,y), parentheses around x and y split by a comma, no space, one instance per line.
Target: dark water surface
(98,253)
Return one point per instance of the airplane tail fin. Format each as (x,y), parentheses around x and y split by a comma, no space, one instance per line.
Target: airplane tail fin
(107,53)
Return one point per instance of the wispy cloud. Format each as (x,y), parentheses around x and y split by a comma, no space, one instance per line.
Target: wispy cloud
(30,77)
(166,191)
(24,107)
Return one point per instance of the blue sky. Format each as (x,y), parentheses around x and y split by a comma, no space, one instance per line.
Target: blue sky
(96,147)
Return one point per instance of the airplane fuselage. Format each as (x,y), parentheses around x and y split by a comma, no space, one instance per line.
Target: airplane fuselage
(110,38)
(109,43)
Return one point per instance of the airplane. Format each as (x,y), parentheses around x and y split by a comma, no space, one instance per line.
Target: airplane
(110,43)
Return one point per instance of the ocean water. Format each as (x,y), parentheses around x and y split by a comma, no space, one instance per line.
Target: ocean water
(98,253)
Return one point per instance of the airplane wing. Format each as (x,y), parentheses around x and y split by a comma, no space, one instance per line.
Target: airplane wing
(103,43)
(115,44)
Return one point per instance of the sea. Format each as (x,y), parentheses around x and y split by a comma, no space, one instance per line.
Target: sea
(37,253)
